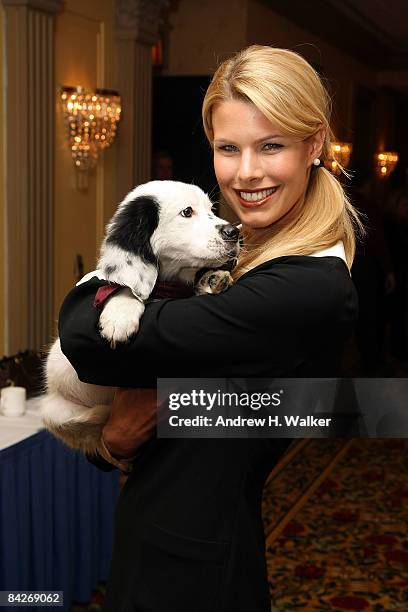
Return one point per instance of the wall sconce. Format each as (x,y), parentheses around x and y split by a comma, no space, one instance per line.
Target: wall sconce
(340,154)
(91,118)
(385,163)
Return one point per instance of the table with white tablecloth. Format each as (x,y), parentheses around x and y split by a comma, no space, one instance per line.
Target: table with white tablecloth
(56,513)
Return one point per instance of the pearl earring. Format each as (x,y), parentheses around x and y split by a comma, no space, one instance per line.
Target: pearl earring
(316,161)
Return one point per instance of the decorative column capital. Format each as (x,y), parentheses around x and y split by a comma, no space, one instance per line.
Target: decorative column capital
(47,6)
(139,19)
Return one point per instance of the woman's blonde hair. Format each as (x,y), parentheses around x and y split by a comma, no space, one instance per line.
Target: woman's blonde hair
(290,93)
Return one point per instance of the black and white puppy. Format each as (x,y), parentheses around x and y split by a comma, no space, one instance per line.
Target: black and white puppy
(162,231)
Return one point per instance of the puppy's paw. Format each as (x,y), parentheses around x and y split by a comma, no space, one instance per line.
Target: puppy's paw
(214,281)
(120,317)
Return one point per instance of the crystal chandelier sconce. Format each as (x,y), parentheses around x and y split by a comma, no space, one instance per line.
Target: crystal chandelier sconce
(340,156)
(91,119)
(385,163)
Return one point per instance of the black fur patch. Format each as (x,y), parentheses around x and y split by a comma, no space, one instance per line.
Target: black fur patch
(129,262)
(110,269)
(133,227)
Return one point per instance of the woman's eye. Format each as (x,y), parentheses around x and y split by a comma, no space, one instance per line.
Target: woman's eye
(228,148)
(187,212)
(272,146)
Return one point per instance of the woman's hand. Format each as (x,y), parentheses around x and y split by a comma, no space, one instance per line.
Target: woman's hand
(132,421)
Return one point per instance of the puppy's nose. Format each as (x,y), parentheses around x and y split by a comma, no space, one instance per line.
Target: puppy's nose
(229,232)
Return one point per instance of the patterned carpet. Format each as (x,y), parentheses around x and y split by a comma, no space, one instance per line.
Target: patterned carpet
(336,516)
(340,541)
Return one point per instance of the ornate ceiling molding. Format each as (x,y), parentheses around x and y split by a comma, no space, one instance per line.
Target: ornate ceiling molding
(140,19)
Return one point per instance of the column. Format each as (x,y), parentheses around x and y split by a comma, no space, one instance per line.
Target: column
(29,145)
(137,23)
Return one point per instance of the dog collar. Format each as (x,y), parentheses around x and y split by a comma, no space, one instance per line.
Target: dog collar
(104,292)
(171,289)
(161,290)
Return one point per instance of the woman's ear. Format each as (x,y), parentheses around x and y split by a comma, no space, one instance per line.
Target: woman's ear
(127,257)
(317,142)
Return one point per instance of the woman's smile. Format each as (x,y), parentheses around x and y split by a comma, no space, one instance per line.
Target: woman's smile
(252,198)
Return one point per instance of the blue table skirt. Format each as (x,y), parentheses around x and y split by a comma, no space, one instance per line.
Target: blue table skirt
(56,520)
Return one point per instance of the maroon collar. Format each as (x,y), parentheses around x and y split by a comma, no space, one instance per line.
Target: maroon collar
(171,289)
(161,290)
(104,292)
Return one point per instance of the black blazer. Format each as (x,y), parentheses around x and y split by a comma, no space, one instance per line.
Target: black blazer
(288,316)
(189,532)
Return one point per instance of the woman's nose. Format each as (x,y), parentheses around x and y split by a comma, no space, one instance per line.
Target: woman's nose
(250,168)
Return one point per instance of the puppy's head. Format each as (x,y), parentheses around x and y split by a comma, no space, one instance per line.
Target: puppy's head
(189,236)
(165,226)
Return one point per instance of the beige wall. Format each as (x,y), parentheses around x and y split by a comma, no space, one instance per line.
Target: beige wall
(342,71)
(2,202)
(84,55)
(203,32)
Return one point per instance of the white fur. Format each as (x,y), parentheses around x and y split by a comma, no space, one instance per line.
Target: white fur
(75,411)
(140,277)
(120,317)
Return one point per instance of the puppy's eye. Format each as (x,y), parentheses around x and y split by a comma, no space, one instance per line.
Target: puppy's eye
(187,212)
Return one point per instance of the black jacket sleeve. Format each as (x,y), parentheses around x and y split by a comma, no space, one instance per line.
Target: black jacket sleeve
(283,316)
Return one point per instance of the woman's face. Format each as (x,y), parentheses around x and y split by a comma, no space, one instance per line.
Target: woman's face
(261,172)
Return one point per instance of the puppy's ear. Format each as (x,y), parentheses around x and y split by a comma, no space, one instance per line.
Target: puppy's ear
(127,256)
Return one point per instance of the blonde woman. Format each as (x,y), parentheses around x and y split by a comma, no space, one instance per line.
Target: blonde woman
(189,532)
